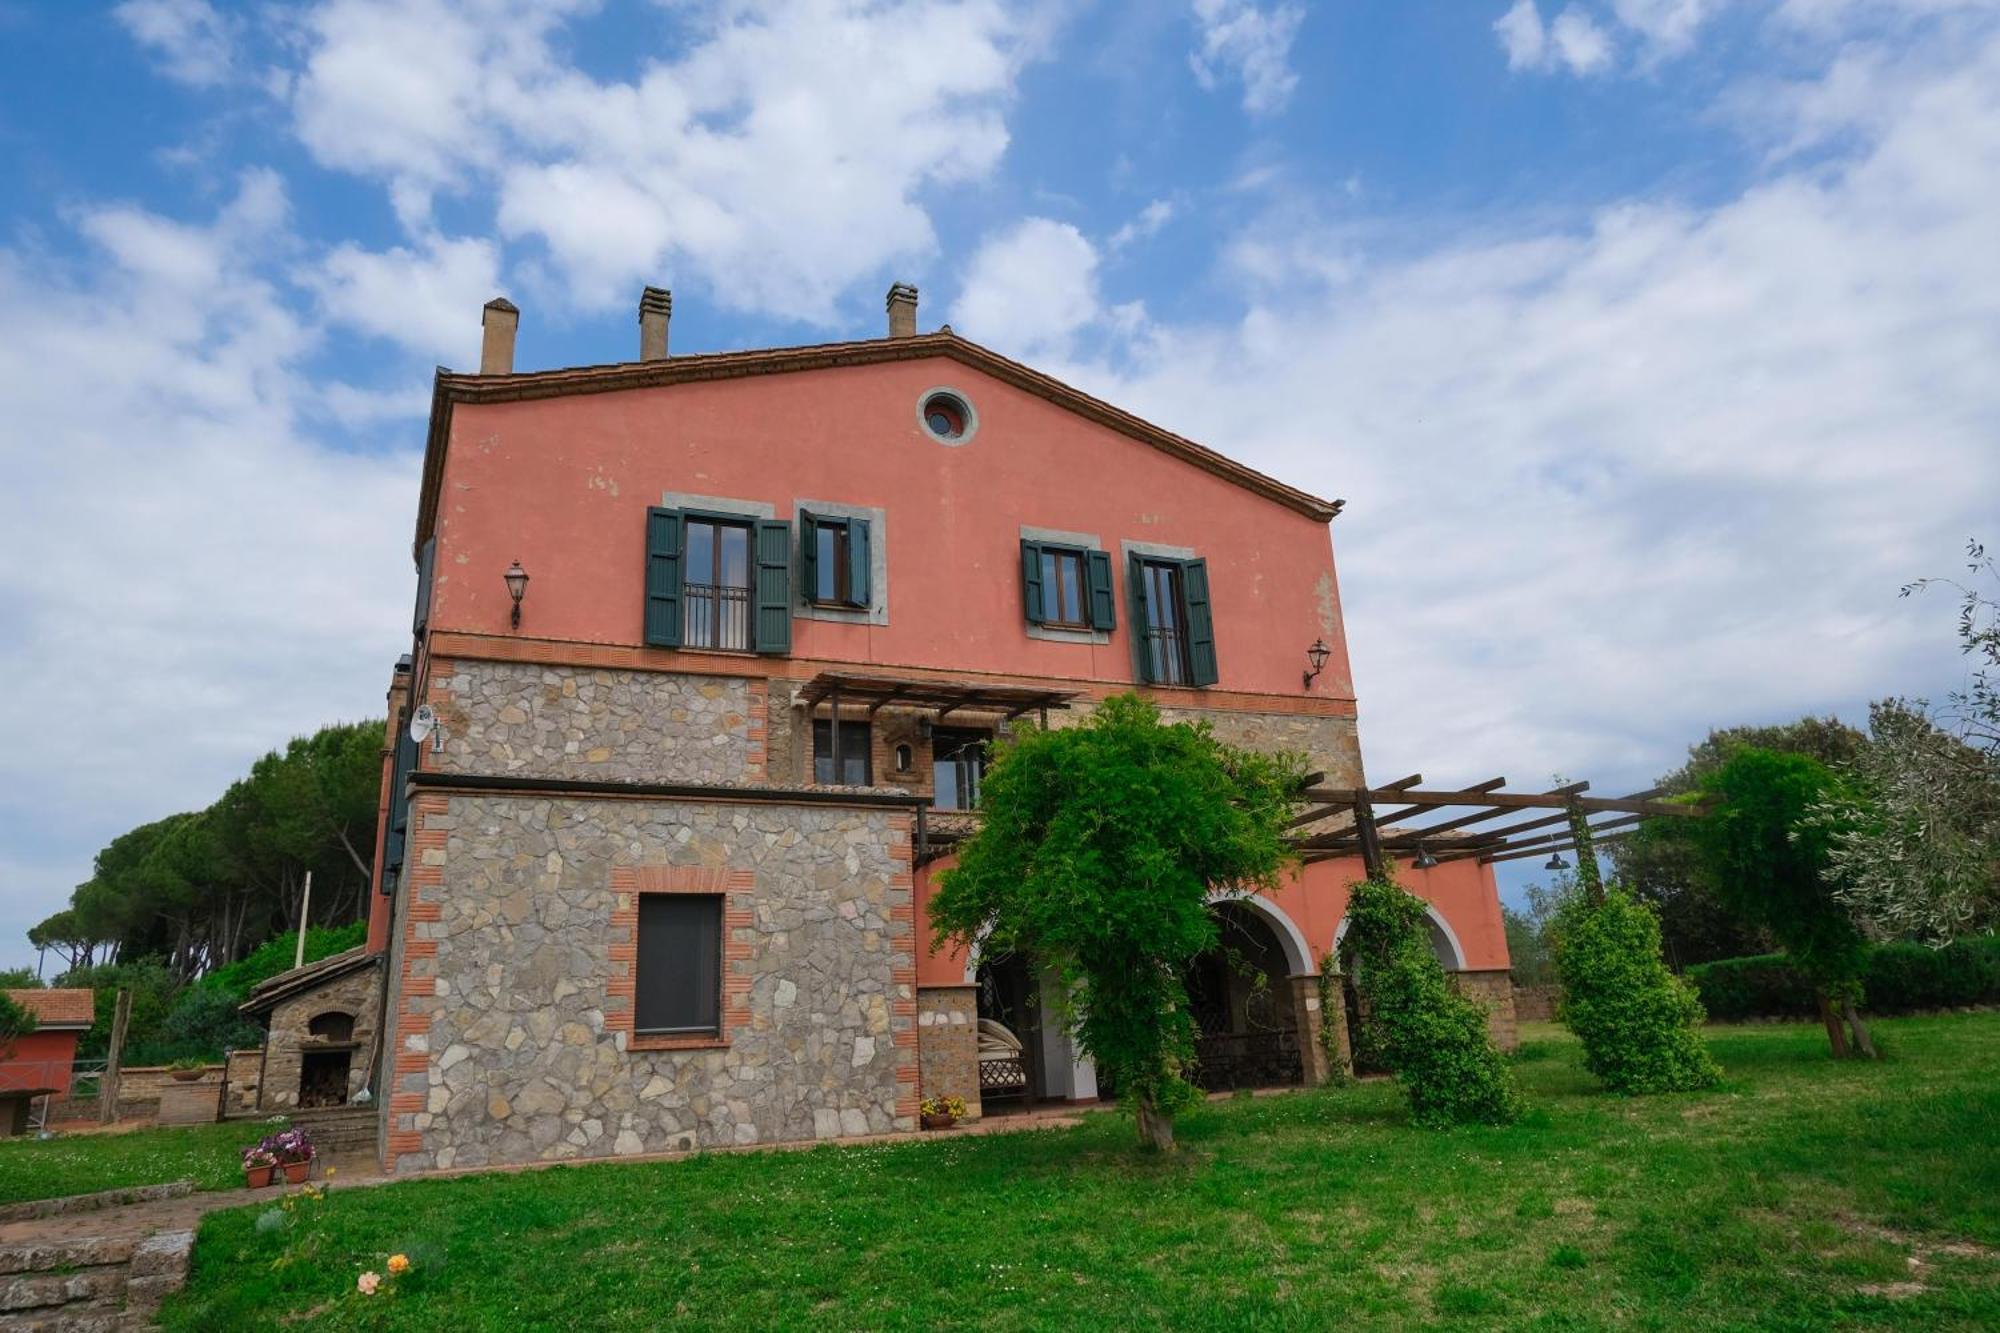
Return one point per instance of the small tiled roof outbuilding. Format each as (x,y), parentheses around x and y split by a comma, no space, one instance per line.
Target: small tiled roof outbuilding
(75,1008)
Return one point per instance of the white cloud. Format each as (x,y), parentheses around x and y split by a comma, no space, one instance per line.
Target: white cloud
(1251,43)
(1614,485)
(1146,225)
(1574,42)
(187,576)
(192,42)
(1668,27)
(1030,289)
(782,157)
(426,299)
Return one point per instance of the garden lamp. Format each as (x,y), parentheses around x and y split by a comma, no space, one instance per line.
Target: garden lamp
(1317,655)
(1424,859)
(517,587)
(1556,862)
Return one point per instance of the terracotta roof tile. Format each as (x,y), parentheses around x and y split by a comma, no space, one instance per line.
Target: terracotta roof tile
(58,1008)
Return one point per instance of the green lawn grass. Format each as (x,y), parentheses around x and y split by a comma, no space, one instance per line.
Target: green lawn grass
(33,1168)
(1793,1197)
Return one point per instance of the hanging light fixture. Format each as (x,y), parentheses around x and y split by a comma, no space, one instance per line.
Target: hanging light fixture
(1556,862)
(1316,655)
(1424,859)
(517,588)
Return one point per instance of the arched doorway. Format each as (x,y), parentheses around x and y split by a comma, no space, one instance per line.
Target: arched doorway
(1240,995)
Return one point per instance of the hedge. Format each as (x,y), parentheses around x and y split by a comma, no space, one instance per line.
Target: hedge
(1895,979)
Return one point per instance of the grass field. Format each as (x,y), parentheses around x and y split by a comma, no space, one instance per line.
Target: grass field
(81,1163)
(1800,1195)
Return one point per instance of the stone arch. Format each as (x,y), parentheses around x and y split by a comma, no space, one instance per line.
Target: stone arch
(1444,940)
(1298,954)
(332,1025)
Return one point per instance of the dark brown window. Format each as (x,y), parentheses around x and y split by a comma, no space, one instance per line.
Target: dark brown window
(1166,643)
(958,765)
(717,585)
(1062,588)
(853,769)
(678,989)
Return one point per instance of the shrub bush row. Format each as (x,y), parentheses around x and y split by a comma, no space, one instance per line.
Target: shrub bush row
(1896,979)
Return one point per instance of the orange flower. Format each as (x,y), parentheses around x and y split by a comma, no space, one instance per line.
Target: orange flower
(398,1263)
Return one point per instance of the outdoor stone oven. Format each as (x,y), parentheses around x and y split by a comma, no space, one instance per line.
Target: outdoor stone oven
(319,1045)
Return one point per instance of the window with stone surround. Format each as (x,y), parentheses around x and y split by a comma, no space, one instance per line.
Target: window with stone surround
(678,981)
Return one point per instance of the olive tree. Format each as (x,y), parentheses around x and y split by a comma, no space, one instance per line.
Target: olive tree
(1100,848)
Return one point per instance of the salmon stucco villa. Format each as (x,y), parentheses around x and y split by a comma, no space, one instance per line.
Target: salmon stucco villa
(709,651)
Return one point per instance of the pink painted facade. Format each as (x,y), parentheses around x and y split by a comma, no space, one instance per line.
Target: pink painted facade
(583,751)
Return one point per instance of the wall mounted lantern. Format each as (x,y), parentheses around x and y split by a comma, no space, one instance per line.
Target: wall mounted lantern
(1424,859)
(517,588)
(1317,655)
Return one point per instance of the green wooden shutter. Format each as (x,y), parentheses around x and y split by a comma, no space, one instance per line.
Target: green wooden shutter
(399,807)
(857,561)
(425,558)
(1103,592)
(1141,641)
(1200,624)
(663,578)
(773,591)
(808,555)
(1031,582)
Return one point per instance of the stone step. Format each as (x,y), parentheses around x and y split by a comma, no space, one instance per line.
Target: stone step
(89,1284)
(83,1252)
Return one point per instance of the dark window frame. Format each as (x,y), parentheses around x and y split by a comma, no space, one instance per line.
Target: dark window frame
(1054,555)
(714,595)
(961,738)
(823,727)
(645,959)
(1166,646)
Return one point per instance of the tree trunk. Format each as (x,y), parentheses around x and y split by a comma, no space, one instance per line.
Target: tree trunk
(1834,1033)
(1156,1127)
(1861,1038)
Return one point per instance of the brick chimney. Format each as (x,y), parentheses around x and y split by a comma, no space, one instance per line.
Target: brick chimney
(496,350)
(656,307)
(902,311)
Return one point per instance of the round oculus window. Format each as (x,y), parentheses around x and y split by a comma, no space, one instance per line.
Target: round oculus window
(947,417)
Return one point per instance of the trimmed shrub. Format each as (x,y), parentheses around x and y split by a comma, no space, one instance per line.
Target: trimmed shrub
(1434,1038)
(1639,1023)
(1896,978)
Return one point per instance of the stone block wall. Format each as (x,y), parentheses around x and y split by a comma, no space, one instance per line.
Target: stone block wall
(948,1044)
(512,1043)
(580,722)
(1535,1004)
(357,994)
(1495,990)
(1330,742)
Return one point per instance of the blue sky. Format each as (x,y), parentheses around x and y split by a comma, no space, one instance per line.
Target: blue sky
(1652,342)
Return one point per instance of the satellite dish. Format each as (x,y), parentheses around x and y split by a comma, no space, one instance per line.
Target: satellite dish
(422,722)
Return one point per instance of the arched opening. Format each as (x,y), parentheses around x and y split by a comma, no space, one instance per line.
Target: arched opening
(1239,993)
(1444,944)
(326,1060)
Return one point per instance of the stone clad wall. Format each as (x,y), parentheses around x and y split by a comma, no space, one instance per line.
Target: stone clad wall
(358,993)
(1329,742)
(510,1046)
(948,1044)
(579,722)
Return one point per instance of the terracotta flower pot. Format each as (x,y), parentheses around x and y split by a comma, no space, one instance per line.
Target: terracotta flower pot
(939,1120)
(257,1177)
(188,1075)
(296,1172)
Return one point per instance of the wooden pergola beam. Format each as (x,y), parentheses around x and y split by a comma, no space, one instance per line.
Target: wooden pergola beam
(1502,800)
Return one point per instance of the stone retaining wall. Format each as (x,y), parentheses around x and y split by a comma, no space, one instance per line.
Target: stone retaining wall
(509,1044)
(1535,1004)
(1495,990)
(580,722)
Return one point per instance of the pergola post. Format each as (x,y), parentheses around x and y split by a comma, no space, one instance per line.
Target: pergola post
(1587,873)
(1370,839)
